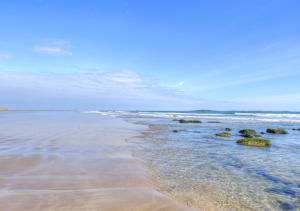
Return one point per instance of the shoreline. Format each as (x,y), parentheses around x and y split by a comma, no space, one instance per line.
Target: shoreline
(208,197)
(76,162)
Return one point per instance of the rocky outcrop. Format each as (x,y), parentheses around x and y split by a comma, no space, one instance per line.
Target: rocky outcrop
(255,142)
(224,134)
(189,121)
(248,133)
(276,131)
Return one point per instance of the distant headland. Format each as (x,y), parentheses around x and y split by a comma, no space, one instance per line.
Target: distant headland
(2,109)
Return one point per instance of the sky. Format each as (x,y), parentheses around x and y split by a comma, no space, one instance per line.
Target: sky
(150,55)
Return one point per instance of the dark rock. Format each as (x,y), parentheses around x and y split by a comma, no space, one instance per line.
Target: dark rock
(262,133)
(247,133)
(228,129)
(255,142)
(175,131)
(224,134)
(213,122)
(189,121)
(248,136)
(276,131)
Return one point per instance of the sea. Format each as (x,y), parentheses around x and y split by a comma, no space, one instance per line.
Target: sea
(189,162)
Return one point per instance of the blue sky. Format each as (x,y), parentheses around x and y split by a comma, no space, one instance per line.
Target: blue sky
(150,55)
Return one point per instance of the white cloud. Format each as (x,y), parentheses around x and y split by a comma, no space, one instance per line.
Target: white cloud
(119,89)
(181,83)
(124,90)
(6,56)
(57,48)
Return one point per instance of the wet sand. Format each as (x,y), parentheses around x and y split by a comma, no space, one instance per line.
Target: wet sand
(70,161)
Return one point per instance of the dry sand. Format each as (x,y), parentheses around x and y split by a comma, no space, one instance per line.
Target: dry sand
(70,161)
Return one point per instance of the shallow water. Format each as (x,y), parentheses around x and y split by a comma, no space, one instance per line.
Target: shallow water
(197,168)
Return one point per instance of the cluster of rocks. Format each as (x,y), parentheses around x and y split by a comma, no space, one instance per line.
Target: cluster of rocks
(250,137)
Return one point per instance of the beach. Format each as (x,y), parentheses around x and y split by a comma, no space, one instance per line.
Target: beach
(73,161)
(95,160)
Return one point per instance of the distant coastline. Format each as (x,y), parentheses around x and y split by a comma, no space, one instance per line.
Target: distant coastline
(2,109)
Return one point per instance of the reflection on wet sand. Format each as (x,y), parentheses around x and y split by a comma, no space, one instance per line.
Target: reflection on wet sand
(69,161)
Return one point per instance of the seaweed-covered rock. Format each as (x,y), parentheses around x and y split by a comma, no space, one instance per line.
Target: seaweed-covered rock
(276,131)
(224,134)
(247,133)
(189,121)
(228,129)
(255,142)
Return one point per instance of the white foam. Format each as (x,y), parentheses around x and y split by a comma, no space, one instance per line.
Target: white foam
(261,117)
(288,115)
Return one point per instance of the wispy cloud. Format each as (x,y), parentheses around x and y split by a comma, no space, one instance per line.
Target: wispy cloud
(179,84)
(6,56)
(120,89)
(57,48)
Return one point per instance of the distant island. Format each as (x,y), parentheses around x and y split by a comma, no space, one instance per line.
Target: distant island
(3,109)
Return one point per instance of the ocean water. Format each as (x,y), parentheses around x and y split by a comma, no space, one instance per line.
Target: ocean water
(202,170)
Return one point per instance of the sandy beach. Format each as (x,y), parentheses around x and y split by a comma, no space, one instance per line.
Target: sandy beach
(70,161)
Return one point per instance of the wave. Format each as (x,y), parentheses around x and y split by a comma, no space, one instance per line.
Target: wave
(278,115)
(236,116)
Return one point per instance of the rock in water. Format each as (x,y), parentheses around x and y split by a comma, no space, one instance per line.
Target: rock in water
(189,121)
(248,133)
(227,129)
(255,142)
(276,131)
(213,122)
(224,134)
